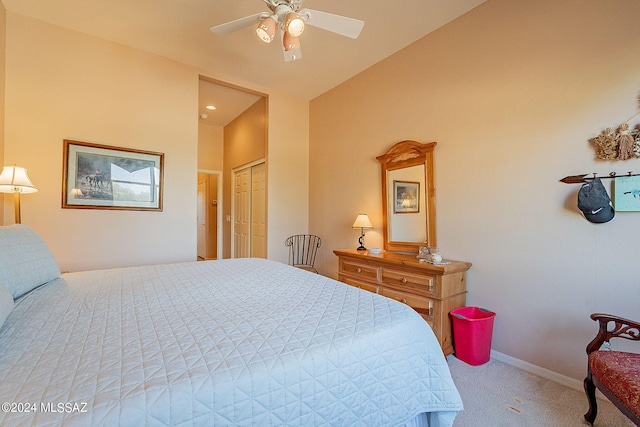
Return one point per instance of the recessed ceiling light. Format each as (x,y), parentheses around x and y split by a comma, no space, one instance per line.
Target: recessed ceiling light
(211,107)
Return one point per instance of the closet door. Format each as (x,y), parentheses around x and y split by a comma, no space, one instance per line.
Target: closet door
(259,211)
(242,211)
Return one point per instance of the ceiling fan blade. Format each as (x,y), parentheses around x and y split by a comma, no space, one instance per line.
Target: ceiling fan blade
(342,25)
(230,27)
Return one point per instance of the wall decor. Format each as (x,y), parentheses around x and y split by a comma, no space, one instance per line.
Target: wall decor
(626,193)
(406,196)
(619,143)
(98,176)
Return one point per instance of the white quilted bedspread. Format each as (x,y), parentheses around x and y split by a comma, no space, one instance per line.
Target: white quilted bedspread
(245,342)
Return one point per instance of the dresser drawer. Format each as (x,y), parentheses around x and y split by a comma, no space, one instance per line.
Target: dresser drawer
(431,290)
(423,282)
(360,285)
(360,271)
(422,305)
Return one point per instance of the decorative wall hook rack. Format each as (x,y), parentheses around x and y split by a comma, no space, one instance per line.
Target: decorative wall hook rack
(577,179)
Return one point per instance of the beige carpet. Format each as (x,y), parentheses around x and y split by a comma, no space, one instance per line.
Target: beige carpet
(499,395)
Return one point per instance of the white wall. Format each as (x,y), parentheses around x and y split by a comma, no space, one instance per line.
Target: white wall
(511,91)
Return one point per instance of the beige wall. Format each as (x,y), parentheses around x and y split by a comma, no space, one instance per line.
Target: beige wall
(245,141)
(3,32)
(511,91)
(210,147)
(287,172)
(64,84)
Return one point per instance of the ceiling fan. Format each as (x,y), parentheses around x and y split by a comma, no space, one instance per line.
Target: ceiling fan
(289,17)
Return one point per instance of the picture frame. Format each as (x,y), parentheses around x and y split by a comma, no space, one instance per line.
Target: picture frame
(406,196)
(96,176)
(626,194)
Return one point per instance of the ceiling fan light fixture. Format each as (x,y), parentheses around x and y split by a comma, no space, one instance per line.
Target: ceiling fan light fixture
(294,24)
(266,29)
(290,42)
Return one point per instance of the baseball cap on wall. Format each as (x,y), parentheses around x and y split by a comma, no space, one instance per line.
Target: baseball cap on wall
(594,202)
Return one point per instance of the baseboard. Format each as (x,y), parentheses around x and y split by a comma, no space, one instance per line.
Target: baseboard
(542,372)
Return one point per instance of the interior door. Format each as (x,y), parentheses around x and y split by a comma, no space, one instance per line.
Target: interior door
(242,211)
(202,219)
(259,211)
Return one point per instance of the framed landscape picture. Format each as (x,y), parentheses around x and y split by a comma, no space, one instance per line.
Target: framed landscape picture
(407,197)
(105,177)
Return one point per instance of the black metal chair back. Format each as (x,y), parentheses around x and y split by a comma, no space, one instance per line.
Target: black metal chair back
(302,250)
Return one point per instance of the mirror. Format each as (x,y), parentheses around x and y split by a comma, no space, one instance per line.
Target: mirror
(408,196)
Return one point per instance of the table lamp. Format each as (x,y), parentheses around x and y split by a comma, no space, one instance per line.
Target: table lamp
(362,222)
(14,179)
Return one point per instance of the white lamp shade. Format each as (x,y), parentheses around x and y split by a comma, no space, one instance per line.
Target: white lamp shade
(290,42)
(362,221)
(267,29)
(293,24)
(14,179)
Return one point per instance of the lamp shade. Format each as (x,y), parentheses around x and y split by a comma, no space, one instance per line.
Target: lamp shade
(267,29)
(290,42)
(293,24)
(14,179)
(362,221)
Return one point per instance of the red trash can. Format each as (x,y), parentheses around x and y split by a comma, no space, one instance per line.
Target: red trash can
(472,331)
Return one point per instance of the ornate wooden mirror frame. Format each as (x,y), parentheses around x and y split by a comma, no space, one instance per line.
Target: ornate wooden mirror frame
(403,155)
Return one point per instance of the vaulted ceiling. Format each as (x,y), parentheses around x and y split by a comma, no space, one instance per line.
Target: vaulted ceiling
(179,29)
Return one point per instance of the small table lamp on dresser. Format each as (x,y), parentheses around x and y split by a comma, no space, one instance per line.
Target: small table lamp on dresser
(362,221)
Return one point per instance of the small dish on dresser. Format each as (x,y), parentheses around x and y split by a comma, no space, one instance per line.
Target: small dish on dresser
(375,251)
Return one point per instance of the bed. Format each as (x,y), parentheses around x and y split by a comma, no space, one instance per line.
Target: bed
(238,342)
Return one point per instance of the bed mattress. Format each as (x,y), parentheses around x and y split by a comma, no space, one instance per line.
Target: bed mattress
(238,342)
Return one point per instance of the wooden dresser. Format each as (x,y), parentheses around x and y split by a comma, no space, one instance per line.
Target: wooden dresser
(432,290)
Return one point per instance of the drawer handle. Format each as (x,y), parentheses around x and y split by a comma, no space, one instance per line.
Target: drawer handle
(402,300)
(358,270)
(404,280)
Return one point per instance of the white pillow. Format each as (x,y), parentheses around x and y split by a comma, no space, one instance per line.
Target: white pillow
(6,304)
(25,260)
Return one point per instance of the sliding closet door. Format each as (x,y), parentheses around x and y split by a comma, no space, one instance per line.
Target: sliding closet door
(250,212)
(259,211)
(242,205)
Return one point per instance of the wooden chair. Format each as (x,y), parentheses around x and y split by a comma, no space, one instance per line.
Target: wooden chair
(302,251)
(615,373)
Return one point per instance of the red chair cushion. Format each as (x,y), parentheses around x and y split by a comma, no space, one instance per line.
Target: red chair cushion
(619,372)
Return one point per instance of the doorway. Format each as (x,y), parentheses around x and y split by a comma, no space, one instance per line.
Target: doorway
(209,215)
(249,206)
(232,134)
